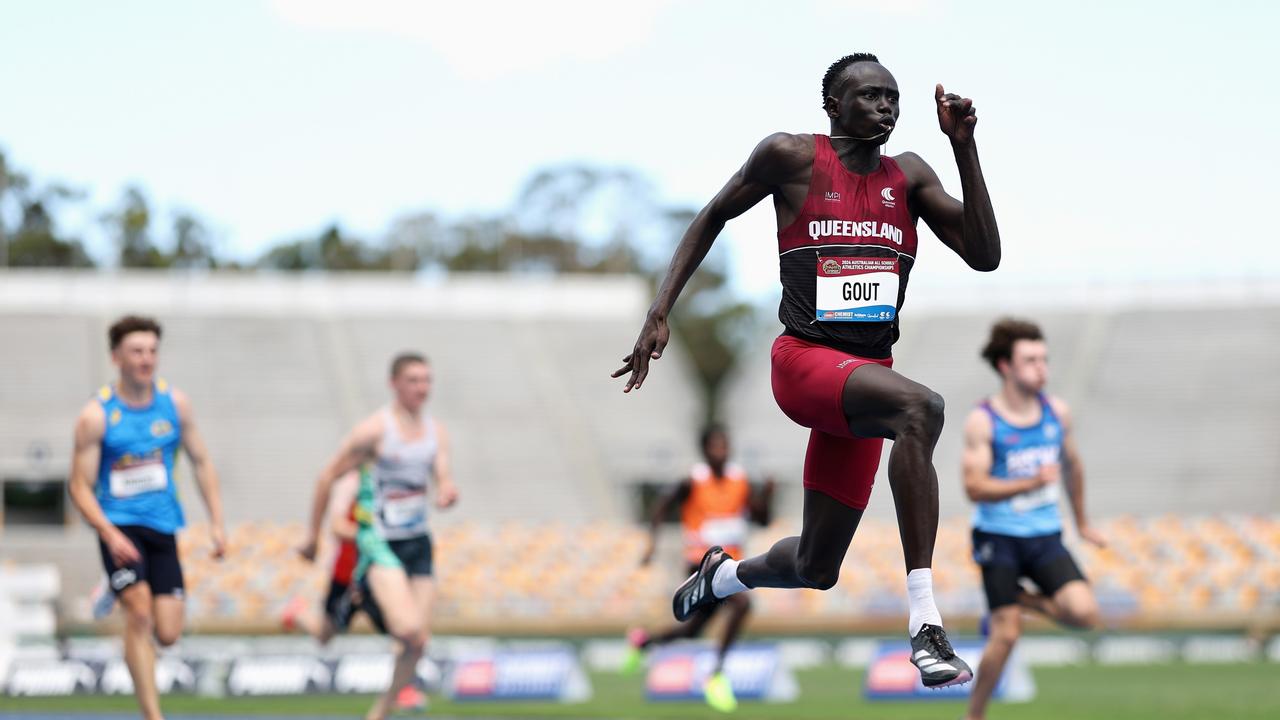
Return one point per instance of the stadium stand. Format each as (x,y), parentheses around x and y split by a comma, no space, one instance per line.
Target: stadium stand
(553,576)
(1175,407)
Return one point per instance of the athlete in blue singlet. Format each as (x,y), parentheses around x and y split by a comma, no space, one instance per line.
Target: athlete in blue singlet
(126,441)
(1015,446)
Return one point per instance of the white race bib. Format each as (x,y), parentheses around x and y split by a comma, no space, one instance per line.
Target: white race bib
(857,289)
(1047,495)
(729,531)
(138,479)
(405,511)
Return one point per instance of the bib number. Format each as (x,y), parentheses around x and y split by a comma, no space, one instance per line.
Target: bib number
(857,289)
(138,479)
(1040,497)
(728,532)
(404,512)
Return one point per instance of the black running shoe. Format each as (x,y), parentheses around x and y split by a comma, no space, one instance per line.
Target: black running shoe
(695,593)
(938,664)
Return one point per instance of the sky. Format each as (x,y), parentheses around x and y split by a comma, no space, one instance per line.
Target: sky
(1121,141)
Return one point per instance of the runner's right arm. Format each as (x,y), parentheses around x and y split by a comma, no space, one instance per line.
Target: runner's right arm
(773,162)
(344,494)
(977,460)
(678,494)
(86,454)
(359,446)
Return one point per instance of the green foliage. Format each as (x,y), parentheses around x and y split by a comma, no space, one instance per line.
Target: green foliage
(36,242)
(130,228)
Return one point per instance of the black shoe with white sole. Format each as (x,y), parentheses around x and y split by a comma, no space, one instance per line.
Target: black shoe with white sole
(939,665)
(695,593)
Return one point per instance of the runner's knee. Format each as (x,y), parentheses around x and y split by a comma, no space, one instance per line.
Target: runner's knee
(817,575)
(1083,617)
(414,638)
(138,619)
(167,636)
(923,414)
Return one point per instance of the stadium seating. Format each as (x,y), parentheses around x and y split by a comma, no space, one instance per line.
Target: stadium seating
(586,576)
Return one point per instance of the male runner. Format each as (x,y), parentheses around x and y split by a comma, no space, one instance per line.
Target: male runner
(338,601)
(846,245)
(401,450)
(716,502)
(126,441)
(1015,443)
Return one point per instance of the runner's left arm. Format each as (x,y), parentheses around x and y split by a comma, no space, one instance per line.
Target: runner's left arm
(206,475)
(969,227)
(446,490)
(1075,474)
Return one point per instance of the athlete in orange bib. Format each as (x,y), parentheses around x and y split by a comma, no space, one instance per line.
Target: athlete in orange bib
(716,504)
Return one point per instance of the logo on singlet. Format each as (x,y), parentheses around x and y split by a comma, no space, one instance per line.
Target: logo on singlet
(833,196)
(886,197)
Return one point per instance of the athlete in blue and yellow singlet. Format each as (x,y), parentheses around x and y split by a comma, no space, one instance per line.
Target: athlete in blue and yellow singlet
(126,440)
(1016,444)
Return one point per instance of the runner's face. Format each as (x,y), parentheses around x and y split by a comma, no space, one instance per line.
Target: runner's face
(716,450)
(867,102)
(412,386)
(1028,366)
(135,356)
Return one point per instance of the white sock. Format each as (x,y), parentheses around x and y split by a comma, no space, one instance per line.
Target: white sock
(920,598)
(725,582)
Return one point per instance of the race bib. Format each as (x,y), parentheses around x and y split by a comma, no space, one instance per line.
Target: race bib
(857,289)
(405,511)
(1047,495)
(138,479)
(730,531)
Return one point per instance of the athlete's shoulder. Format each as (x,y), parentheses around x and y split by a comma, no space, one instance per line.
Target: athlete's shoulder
(914,168)
(978,424)
(370,429)
(1060,408)
(780,155)
(92,418)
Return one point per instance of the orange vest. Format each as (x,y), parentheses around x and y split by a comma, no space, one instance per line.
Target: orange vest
(716,511)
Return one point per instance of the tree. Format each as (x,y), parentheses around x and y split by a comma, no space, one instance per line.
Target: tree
(331,250)
(130,226)
(36,242)
(192,244)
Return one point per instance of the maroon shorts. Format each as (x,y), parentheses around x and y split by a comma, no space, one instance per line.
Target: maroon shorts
(808,383)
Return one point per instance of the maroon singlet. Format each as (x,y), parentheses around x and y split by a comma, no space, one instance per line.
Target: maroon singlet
(851,218)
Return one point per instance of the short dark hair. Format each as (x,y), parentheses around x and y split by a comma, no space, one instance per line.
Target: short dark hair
(710,431)
(837,67)
(131,324)
(406,358)
(1004,334)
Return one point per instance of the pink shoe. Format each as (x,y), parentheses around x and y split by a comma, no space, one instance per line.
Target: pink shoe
(410,698)
(637,637)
